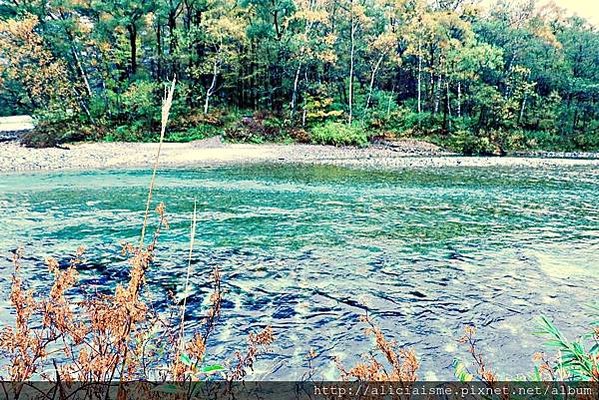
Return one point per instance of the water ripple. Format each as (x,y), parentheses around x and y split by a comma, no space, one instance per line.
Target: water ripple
(309,249)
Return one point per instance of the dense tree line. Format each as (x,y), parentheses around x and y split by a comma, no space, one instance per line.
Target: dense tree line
(512,76)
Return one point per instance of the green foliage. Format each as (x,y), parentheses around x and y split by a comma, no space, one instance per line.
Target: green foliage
(473,81)
(461,372)
(575,361)
(199,132)
(588,141)
(339,134)
(55,127)
(467,142)
(403,121)
(198,126)
(320,107)
(139,102)
(257,128)
(133,132)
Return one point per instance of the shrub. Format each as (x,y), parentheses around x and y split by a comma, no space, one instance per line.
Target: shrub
(215,117)
(467,142)
(133,132)
(135,341)
(55,126)
(403,121)
(199,132)
(543,140)
(587,141)
(577,360)
(508,140)
(319,106)
(339,134)
(47,135)
(140,101)
(258,128)
(300,135)
(395,365)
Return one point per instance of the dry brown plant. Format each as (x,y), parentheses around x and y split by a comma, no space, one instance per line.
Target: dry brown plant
(116,337)
(399,365)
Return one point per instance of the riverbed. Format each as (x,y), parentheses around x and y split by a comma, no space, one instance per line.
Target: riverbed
(211,152)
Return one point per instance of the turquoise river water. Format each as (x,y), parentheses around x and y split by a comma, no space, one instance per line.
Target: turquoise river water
(308,249)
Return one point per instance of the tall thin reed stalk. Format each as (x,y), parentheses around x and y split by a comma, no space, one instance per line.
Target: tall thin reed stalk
(166,109)
(191,244)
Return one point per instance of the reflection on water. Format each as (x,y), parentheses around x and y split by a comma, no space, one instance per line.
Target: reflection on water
(309,249)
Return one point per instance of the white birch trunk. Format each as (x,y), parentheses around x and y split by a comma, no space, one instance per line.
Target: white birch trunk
(210,90)
(294,94)
(521,116)
(372,78)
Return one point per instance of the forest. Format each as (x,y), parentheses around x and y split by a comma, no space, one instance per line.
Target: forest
(476,78)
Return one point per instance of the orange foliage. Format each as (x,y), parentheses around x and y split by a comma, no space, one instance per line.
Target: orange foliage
(27,61)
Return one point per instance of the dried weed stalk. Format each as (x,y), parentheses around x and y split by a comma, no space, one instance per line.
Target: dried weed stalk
(400,365)
(116,337)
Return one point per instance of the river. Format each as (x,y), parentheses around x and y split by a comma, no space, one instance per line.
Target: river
(308,249)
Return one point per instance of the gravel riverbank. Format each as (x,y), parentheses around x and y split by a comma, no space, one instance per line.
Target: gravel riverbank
(409,153)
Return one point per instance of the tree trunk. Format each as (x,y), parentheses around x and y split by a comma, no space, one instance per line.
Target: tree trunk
(448,107)
(81,71)
(372,78)
(437,91)
(159,51)
(294,94)
(419,79)
(133,43)
(431,83)
(351,67)
(210,90)
(307,29)
(305,108)
(390,99)
(522,107)
(304,114)
(459,106)
(275,19)
(172,26)
(575,118)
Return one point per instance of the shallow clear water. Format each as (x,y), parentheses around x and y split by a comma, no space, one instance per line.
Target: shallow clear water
(309,249)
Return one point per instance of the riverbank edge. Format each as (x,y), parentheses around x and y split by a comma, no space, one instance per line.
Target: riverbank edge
(213,152)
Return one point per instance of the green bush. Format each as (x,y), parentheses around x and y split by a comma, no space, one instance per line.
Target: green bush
(339,134)
(588,141)
(48,135)
(576,360)
(320,106)
(508,140)
(404,122)
(140,101)
(55,126)
(258,128)
(542,140)
(468,142)
(134,132)
(202,131)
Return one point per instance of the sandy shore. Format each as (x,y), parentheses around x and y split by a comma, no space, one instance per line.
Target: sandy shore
(14,157)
